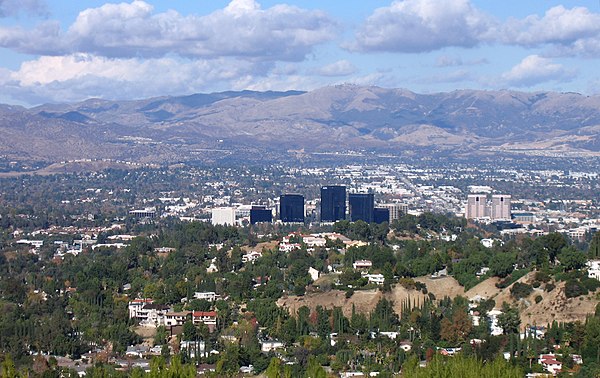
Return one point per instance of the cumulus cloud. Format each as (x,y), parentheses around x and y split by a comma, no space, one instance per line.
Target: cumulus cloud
(558,26)
(80,76)
(339,68)
(10,8)
(535,69)
(241,29)
(414,26)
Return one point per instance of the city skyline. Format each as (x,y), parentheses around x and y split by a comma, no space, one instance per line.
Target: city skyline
(70,51)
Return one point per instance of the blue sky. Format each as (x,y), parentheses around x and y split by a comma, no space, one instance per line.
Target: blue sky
(64,50)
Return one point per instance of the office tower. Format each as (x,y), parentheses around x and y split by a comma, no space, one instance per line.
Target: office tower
(396,210)
(260,214)
(291,208)
(476,204)
(361,206)
(381,214)
(333,203)
(500,207)
(223,216)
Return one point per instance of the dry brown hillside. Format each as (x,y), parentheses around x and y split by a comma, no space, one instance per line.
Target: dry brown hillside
(554,304)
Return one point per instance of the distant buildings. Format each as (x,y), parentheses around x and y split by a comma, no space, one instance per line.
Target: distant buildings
(361,206)
(381,214)
(260,214)
(396,210)
(333,203)
(291,208)
(149,212)
(475,206)
(500,207)
(478,207)
(223,216)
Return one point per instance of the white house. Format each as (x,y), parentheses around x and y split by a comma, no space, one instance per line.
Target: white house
(269,345)
(251,257)
(362,264)
(171,319)
(313,273)
(136,305)
(495,330)
(376,279)
(210,296)
(206,317)
(550,363)
(593,267)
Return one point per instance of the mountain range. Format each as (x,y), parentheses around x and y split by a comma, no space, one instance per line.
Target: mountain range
(333,119)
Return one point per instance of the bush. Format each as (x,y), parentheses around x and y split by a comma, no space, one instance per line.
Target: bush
(536,284)
(520,290)
(407,283)
(574,289)
(549,287)
(538,298)
(590,284)
(512,278)
(349,293)
(542,276)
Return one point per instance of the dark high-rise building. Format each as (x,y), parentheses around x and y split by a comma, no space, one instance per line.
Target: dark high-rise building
(361,206)
(381,214)
(333,203)
(260,214)
(291,208)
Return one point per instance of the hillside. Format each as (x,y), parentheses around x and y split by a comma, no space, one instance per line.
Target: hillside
(553,307)
(335,118)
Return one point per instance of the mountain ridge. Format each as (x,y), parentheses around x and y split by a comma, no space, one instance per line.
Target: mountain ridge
(333,118)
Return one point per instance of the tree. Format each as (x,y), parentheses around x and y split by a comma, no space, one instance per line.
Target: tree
(554,243)
(458,329)
(571,259)
(274,368)
(501,265)
(509,320)
(314,369)
(594,250)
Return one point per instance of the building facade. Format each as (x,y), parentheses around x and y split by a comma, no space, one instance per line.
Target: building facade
(291,208)
(333,203)
(361,206)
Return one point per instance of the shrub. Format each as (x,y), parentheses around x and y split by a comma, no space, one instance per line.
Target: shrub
(407,283)
(549,287)
(520,290)
(538,298)
(590,283)
(349,293)
(542,276)
(536,284)
(574,288)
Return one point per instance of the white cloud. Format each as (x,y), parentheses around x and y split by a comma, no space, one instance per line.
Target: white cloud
(558,26)
(422,25)
(339,68)
(535,69)
(242,29)
(80,76)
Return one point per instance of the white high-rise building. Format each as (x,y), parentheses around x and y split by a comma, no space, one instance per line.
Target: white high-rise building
(500,206)
(476,204)
(223,216)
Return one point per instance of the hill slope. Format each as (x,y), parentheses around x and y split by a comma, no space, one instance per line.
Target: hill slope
(335,118)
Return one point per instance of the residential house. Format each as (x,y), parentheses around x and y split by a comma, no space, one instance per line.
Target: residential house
(362,265)
(136,305)
(209,318)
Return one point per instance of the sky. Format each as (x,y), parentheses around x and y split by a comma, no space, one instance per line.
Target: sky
(66,51)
